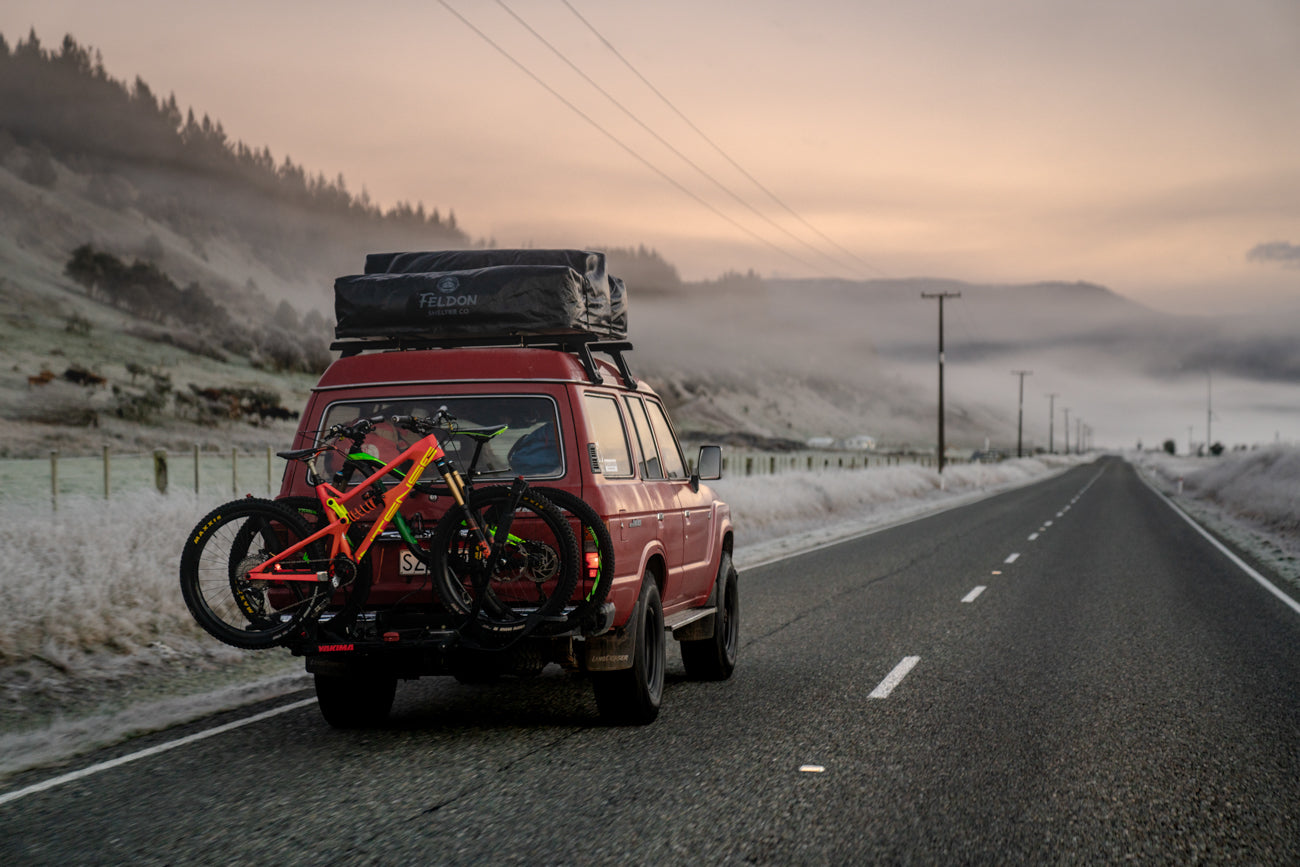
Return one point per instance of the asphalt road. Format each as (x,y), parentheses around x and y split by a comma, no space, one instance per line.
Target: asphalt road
(1118,690)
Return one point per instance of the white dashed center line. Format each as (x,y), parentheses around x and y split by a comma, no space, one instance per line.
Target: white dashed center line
(974,594)
(1011,559)
(1033,536)
(895,677)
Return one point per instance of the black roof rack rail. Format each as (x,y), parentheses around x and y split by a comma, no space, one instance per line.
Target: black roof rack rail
(581,345)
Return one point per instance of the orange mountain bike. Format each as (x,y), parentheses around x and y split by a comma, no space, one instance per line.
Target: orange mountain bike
(255,573)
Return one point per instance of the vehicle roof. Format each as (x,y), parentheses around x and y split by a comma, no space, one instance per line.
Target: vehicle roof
(466,364)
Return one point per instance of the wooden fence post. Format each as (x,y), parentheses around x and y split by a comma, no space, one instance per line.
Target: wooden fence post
(160,470)
(54,480)
(106,472)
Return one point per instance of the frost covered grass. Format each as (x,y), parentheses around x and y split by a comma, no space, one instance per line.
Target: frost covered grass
(769,507)
(1262,486)
(94,575)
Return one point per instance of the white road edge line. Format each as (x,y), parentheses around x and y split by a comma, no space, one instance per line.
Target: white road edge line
(895,677)
(974,594)
(1241,564)
(1013,558)
(151,751)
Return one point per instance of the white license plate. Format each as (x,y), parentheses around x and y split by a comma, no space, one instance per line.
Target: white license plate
(409,564)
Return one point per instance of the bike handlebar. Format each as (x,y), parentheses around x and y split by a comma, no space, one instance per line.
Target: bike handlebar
(425,426)
(358,430)
(361,428)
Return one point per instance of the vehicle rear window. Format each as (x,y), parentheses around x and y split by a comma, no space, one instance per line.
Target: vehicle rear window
(605,426)
(530,445)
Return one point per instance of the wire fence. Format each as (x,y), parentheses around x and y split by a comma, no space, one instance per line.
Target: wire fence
(759,463)
(59,476)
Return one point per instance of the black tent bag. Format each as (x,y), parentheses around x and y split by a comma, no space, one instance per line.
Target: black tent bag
(481,294)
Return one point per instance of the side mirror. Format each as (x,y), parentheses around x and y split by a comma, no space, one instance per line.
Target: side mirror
(709,465)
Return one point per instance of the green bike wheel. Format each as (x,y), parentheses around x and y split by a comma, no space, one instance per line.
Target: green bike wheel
(531,582)
(596,569)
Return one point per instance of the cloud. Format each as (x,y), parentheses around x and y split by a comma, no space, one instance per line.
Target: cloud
(1281,252)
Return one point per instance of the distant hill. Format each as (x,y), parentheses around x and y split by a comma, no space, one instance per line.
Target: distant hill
(93,160)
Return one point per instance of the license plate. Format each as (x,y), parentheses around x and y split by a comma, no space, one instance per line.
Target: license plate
(409,564)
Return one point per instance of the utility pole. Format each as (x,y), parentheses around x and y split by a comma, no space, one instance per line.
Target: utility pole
(1051,423)
(1209,412)
(1020,420)
(1078,434)
(1066,410)
(940,296)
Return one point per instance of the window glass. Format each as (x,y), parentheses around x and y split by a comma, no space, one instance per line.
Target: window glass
(650,468)
(529,446)
(607,431)
(669,452)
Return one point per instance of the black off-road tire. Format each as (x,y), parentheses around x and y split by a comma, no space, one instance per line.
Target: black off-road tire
(632,696)
(714,658)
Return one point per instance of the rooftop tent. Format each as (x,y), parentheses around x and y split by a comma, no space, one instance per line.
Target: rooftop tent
(481,294)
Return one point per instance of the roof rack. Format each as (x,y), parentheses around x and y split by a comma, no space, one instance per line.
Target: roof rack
(581,345)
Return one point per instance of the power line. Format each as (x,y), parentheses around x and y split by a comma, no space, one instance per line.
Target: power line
(627,148)
(657,137)
(737,166)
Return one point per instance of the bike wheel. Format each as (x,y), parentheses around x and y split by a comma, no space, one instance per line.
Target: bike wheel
(220,551)
(351,595)
(596,569)
(531,582)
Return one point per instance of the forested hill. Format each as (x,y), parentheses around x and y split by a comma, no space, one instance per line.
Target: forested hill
(130,171)
(240,213)
(64,102)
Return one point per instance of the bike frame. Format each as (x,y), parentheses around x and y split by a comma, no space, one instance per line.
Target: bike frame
(342,509)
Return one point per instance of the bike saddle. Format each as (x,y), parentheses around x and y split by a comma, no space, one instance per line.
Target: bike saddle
(482,434)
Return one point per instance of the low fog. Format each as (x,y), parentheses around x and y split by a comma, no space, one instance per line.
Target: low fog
(837,358)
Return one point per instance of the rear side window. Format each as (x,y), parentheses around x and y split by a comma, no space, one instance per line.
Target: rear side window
(530,445)
(650,466)
(605,426)
(669,452)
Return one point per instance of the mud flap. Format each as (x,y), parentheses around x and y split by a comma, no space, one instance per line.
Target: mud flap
(614,650)
(703,628)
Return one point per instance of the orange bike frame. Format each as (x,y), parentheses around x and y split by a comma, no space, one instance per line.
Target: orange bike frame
(341,509)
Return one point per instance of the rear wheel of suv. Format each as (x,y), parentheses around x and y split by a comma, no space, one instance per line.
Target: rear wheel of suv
(355,701)
(632,696)
(715,658)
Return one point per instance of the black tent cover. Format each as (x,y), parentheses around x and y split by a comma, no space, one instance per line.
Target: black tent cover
(481,294)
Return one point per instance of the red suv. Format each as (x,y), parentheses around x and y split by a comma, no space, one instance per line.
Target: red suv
(591,438)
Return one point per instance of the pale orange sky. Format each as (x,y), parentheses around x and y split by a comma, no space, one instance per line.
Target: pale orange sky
(1147,146)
